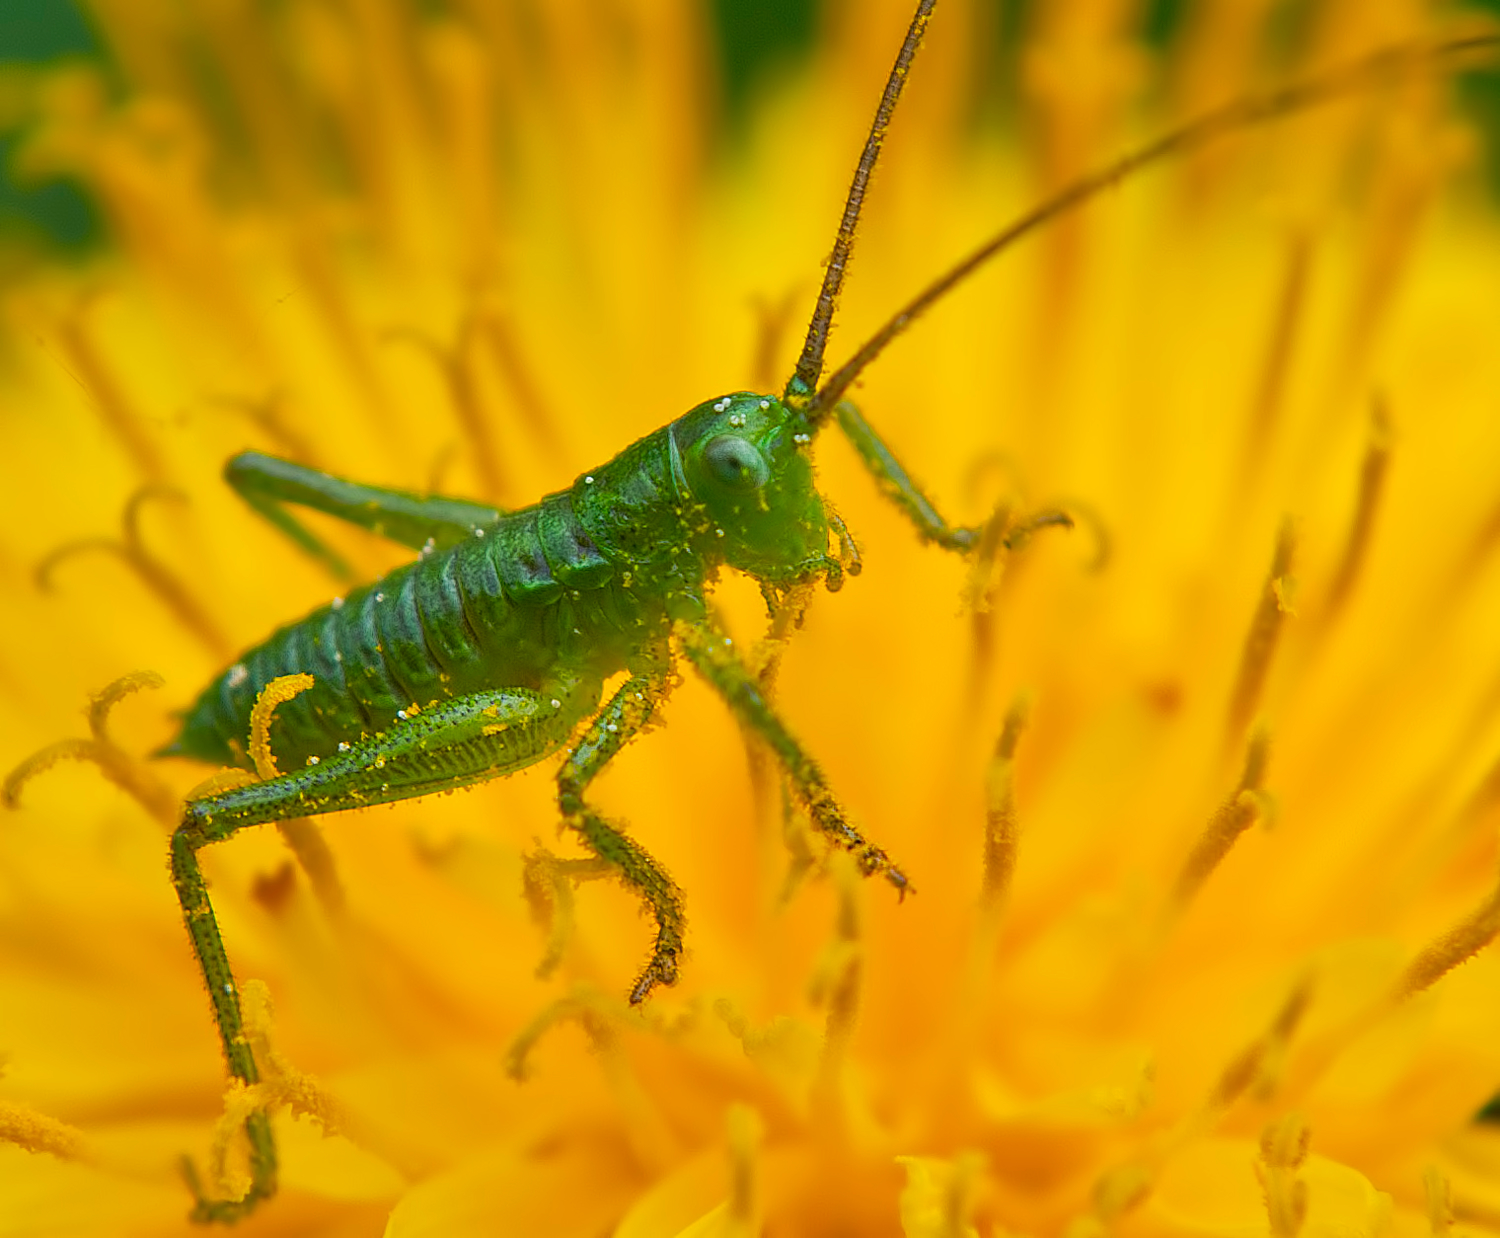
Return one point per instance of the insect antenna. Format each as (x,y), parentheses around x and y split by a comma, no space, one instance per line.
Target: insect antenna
(810,364)
(1240,114)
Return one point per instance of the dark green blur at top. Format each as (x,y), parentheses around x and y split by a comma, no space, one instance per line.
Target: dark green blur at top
(753,39)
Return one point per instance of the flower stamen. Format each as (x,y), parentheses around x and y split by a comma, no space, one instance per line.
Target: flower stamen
(456,366)
(35,1132)
(745,1132)
(1439,1195)
(1283,1148)
(117,765)
(837,982)
(1458,945)
(302,836)
(1264,635)
(1246,805)
(1372,475)
(154,574)
(90,371)
(939,1197)
(1270,393)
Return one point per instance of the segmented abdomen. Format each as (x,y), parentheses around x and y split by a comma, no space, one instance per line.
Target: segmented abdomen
(506,607)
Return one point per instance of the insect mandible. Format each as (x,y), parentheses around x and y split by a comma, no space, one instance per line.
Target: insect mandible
(492,650)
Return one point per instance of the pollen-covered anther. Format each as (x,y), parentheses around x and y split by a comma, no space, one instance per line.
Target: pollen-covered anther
(745,1132)
(272,696)
(24,1127)
(1283,1148)
(1372,475)
(117,765)
(1459,944)
(1246,805)
(1001,827)
(159,579)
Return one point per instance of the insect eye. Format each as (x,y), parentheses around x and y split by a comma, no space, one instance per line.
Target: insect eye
(734,463)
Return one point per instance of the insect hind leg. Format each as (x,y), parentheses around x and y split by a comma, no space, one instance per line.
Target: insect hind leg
(267,483)
(450,744)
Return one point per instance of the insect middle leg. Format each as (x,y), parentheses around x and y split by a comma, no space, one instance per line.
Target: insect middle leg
(711,653)
(624,717)
(448,745)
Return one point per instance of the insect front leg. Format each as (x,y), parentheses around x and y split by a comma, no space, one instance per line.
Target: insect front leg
(628,713)
(712,653)
(445,746)
(409,519)
(897,484)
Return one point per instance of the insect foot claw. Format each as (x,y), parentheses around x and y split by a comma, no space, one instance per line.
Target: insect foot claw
(661,970)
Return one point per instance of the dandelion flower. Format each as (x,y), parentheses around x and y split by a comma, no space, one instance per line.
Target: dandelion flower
(1198,800)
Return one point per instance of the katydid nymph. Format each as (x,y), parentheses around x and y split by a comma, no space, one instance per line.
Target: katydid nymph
(492,650)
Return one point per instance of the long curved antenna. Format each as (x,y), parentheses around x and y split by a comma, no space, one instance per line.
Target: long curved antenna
(1240,114)
(810,364)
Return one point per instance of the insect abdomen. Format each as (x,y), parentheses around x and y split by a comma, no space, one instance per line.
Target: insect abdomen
(500,609)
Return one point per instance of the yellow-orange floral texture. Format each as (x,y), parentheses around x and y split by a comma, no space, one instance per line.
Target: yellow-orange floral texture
(1200,952)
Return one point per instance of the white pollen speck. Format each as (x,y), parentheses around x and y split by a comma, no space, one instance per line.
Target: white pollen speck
(343,747)
(338,656)
(802,438)
(588,480)
(611,727)
(718,532)
(229,986)
(478,532)
(401,713)
(765,403)
(380,597)
(721,405)
(556,704)
(337,603)
(727,641)
(313,761)
(238,674)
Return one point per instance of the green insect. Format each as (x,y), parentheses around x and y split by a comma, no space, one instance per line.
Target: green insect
(491,651)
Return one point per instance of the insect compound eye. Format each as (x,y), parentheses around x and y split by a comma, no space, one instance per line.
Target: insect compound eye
(735,464)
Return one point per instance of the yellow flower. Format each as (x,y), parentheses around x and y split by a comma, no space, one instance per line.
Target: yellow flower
(1184,953)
